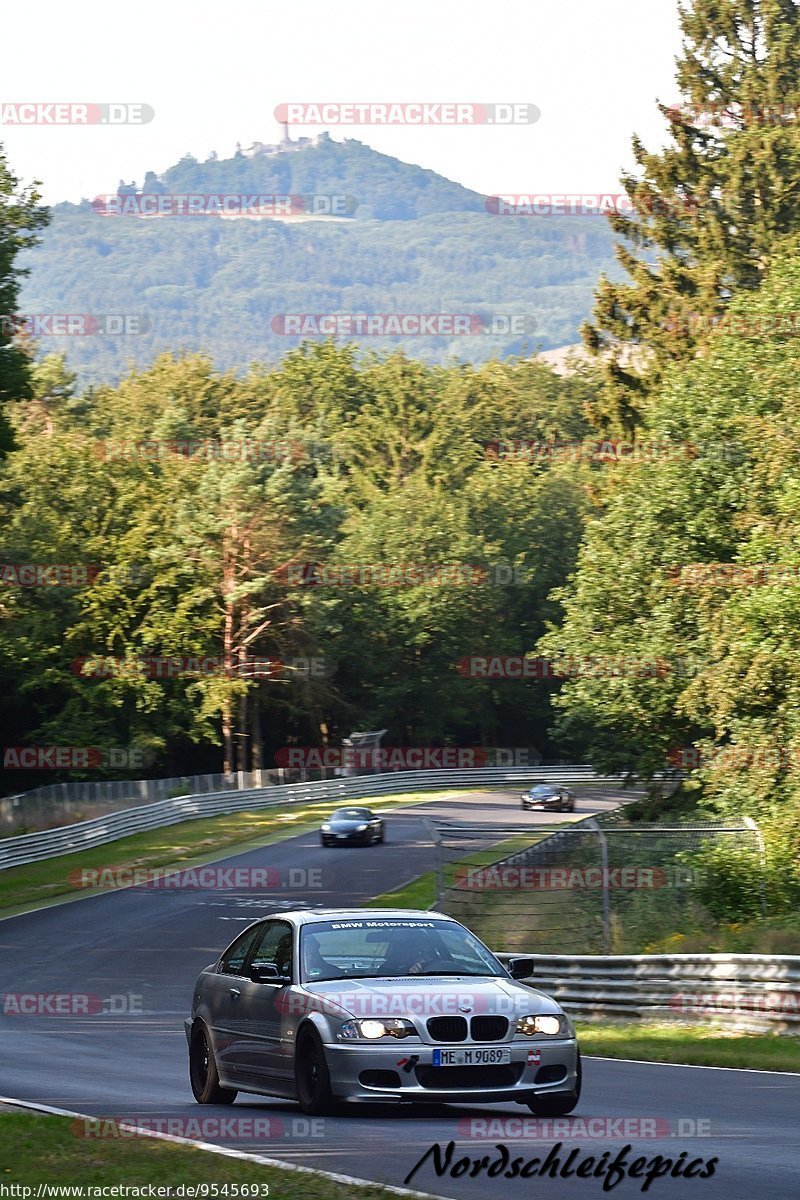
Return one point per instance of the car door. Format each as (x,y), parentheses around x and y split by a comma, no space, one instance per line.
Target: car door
(222,993)
(263,1051)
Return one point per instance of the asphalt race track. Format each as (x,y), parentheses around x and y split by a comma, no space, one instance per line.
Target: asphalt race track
(138,951)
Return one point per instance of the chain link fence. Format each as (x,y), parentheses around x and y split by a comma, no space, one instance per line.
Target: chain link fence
(601,885)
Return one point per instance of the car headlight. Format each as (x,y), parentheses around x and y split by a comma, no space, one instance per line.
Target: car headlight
(397,1027)
(361,828)
(546,1025)
(326,828)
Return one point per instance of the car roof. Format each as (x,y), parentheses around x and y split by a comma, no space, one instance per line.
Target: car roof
(303,916)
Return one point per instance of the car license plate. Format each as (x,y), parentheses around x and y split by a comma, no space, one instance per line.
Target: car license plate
(471,1056)
(341,835)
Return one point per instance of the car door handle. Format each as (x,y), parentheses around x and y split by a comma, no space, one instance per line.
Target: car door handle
(235,992)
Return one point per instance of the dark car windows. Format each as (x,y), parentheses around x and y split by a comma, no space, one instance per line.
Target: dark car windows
(275,947)
(233,959)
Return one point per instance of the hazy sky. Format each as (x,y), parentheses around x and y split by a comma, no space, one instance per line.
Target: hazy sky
(215,72)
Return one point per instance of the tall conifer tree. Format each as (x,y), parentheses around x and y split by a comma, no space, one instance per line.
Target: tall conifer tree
(712,209)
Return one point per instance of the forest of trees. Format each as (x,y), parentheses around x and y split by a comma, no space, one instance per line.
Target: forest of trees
(688,556)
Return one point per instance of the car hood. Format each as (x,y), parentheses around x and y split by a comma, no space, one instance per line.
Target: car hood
(423,996)
(351,823)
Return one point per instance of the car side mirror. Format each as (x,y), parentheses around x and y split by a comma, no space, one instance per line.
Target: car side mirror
(267,973)
(520,968)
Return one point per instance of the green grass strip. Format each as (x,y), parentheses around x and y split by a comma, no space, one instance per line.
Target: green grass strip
(696,1045)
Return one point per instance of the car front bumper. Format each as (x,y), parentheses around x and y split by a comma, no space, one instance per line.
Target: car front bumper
(538,1069)
(347,839)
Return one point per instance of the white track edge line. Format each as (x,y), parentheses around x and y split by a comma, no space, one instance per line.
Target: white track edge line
(651,1062)
(226,1151)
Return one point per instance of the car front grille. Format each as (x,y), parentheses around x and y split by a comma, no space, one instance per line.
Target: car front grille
(488,1029)
(448,1029)
(445,1079)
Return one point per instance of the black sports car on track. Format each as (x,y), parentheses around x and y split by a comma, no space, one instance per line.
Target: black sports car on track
(352,827)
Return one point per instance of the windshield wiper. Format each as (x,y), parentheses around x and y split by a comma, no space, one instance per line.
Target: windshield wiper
(457,974)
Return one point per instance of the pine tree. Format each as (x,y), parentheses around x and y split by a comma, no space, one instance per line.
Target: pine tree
(20,217)
(712,210)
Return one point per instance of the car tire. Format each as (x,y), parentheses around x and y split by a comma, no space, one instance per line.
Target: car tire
(203,1074)
(312,1078)
(559,1106)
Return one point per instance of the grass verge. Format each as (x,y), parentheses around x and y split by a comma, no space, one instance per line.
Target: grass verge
(190,843)
(37,1148)
(421,891)
(696,1045)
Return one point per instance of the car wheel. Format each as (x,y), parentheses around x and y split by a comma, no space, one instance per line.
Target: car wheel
(312,1079)
(559,1106)
(381,837)
(203,1074)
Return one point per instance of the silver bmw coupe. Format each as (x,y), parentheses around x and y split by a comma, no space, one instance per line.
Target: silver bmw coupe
(373,1005)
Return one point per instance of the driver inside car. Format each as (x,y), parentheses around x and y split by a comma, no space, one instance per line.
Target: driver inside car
(315,966)
(404,958)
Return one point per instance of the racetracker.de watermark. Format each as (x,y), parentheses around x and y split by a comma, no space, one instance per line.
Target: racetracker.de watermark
(546,879)
(725,575)
(37,325)
(586,204)
(277,450)
(30,575)
(402,575)
(733,757)
(765,1001)
(521,666)
(402,325)
(224,204)
(734,116)
(405,1000)
(69,1004)
(752,325)
(44,112)
(182,665)
(600,1128)
(74,758)
(406,113)
(605,451)
(208,878)
(401,758)
(203,1129)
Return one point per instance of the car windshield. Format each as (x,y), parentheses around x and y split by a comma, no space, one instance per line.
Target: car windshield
(541,792)
(351,814)
(381,948)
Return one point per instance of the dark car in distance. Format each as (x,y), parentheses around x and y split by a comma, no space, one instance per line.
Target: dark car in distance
(549,797)
(352,827)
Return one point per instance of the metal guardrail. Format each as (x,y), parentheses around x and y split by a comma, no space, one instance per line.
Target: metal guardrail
(83,835)
(753,992)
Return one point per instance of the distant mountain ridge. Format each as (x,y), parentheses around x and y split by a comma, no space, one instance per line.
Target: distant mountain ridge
(415,243)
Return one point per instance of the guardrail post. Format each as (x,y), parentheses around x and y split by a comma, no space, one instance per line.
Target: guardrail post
(436,838)
(762,862)
(601,837)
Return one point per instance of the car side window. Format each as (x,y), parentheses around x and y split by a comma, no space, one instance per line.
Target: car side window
(275,947)
(233,960)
